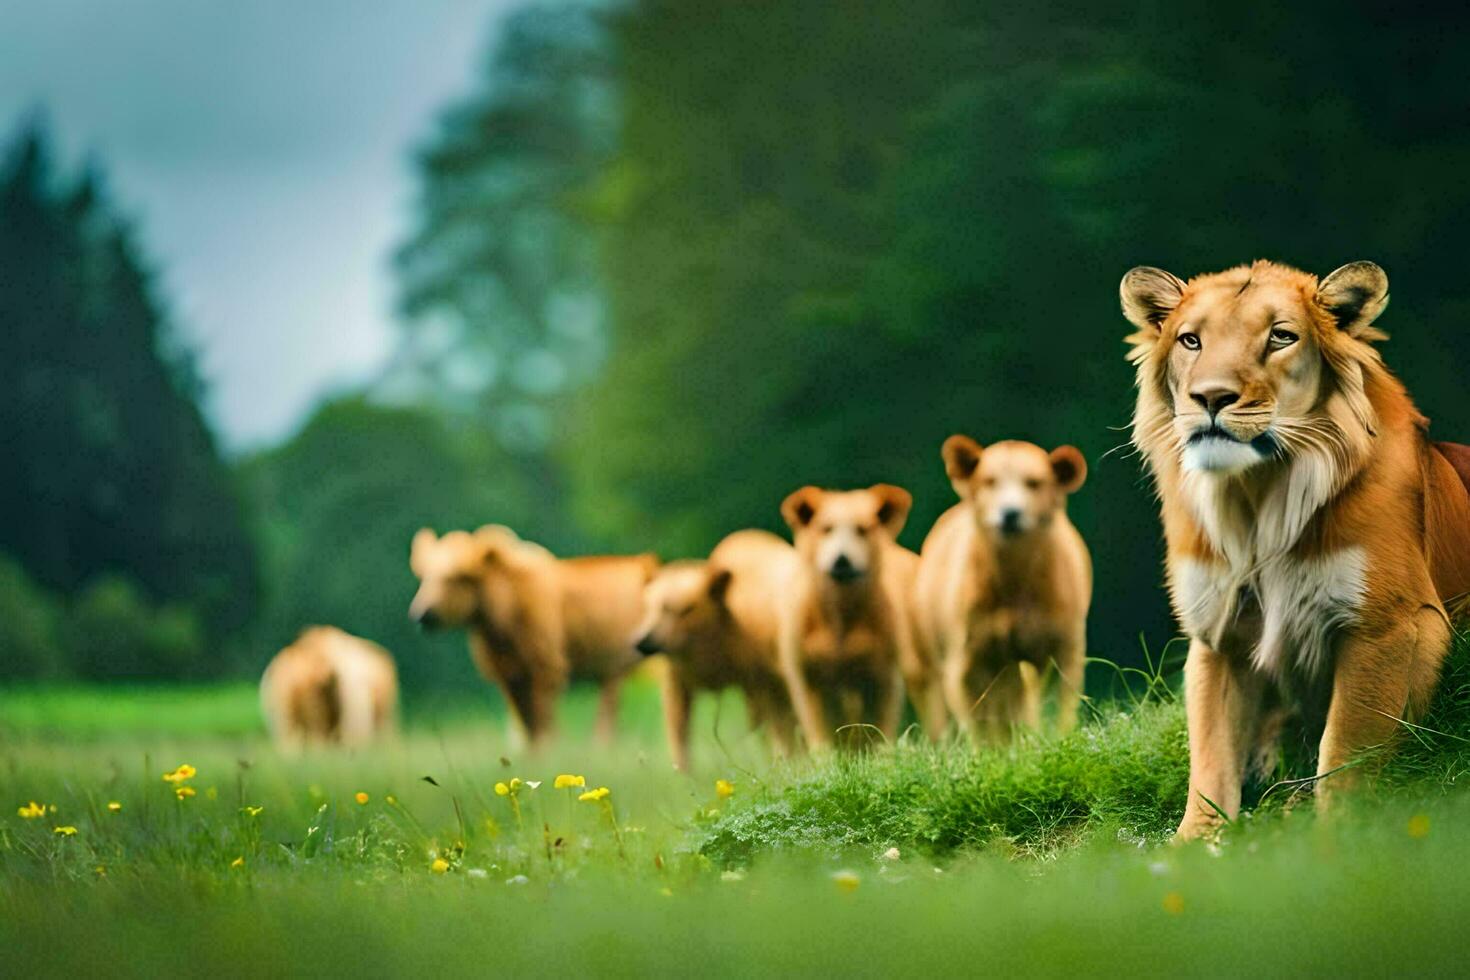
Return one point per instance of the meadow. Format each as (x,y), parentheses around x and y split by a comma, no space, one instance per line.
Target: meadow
(1047,857)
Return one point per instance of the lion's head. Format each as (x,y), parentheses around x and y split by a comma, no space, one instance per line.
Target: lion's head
(1259,364)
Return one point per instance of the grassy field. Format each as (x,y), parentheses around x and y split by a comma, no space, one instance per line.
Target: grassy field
(1042,859)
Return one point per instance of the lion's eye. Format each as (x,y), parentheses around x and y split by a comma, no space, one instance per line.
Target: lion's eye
(1282,338)
(1190,341)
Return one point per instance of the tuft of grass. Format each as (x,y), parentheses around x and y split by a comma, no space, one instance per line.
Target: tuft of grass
(1125,771)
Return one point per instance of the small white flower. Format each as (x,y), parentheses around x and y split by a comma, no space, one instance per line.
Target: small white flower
(1158,869)
(477,872)
(891,854)
(534,783)
(518,880)
(732,876)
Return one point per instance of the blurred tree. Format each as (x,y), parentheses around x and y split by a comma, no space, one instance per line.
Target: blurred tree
(338,504)
(840,235)
(502,313)
(110,466)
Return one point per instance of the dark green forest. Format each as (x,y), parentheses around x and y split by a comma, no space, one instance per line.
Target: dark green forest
(671,261)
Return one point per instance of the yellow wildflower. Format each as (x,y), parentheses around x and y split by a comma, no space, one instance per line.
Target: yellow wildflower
(251,811)
(501,789)
(114,807)
(439,866)
(724,789)
(64,831)
(239,862)
(567,781)
(184,792)
(32,811)
(361,799)
(1173,903)
(101,870)
(1418,826)
(593,795)
(515,783)
(391,800)
(847,881)
(183,774)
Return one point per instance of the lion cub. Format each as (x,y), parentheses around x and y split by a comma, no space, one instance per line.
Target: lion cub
(1004,585)
(716,622)
(535,621)
(846,626)
(328,687)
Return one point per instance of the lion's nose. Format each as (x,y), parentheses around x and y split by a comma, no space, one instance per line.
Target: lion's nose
(1214,398)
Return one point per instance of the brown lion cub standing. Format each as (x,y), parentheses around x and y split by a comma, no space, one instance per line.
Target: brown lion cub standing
(716,622)
(329,687)
(1315,534)
(535,622)
(846,619)
(1004,586)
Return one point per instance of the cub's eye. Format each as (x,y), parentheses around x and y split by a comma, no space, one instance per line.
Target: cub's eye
(1190,341)
(1282,338)
(989,481)
(825,529)
(1033,484)
(862,531)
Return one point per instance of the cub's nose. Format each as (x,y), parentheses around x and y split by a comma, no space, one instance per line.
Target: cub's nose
(1010,521)
(1214,398)
(427,619)
(843,568)
(646,645)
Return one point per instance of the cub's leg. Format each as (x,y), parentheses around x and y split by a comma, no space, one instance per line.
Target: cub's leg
(1380,678)
(677,699)
(957,663)
(1071,665)
(769,710)
(1222,701)
(607,710)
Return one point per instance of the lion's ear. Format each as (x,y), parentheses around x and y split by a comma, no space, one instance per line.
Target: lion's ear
(961,457)
(1069,468)
(1354,296)
(894,504)
(799,508)
(719,583)
(1149,295)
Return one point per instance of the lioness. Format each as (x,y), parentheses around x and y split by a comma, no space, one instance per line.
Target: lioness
(1004,586)
(328,687)
(535,621)
(715,620)
(1315,534)
(846,620)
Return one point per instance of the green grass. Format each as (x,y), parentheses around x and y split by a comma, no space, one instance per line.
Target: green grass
(1044,858)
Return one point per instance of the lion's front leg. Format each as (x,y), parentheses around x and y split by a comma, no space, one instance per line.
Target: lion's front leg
(1380,680)
(1222,700)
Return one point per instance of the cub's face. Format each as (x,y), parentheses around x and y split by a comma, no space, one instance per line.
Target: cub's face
(842,533)
(1243,359)
(452,571)
(682,604)
(1012,488)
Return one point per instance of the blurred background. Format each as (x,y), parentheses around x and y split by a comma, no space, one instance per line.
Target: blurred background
(281,283)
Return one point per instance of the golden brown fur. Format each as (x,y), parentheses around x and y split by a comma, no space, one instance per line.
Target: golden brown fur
(535,622)
(846,620)
(1004,586)
(329,687)
(716,621)
(1314,533)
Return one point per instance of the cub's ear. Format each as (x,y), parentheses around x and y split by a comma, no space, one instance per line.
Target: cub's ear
(1068,466)
(1149,295)
(893,506)
(799,508)
(1354,296)
(961,457)
(719,583)
(423,540)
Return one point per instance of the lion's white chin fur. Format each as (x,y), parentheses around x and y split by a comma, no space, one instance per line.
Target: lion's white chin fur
(1217,454)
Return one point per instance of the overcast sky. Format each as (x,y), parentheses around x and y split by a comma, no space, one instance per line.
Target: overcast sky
(262,146)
